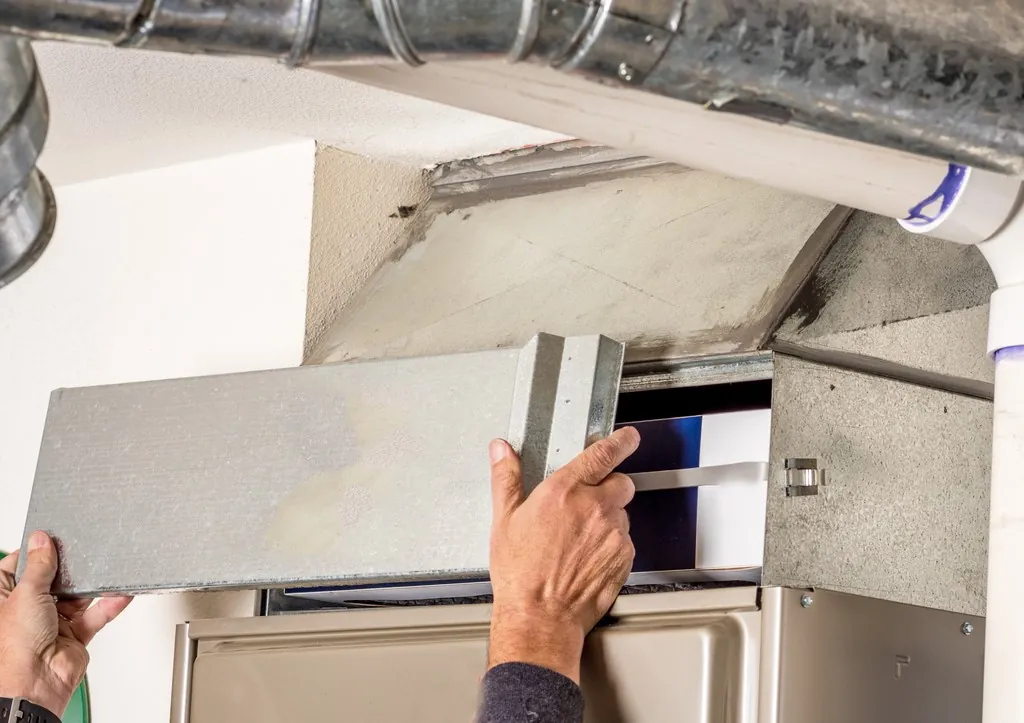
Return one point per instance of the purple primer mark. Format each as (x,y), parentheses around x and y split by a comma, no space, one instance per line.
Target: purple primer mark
(948,192)
(1010,353)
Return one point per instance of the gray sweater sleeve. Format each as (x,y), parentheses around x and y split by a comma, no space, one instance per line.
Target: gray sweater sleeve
(523,693)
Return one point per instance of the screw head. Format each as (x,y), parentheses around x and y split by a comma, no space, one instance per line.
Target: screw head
(806,601)
(967,628)
(555,12)
(649,39)
(626,71)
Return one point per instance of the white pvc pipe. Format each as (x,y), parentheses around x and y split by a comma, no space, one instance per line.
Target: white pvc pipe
(1004,631)
(967,206)
(880,180)
(1004,624)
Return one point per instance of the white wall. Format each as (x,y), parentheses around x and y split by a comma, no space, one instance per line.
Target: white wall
(192,269)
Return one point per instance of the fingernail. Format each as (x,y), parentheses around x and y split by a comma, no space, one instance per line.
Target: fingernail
(498,450)
(37,540)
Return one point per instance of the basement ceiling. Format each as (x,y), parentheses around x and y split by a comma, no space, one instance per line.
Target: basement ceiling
(116,111)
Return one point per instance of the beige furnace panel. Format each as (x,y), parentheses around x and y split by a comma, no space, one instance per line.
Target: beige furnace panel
(669,656)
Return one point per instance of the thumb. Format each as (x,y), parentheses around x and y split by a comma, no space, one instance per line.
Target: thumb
(506,479)
(41,566)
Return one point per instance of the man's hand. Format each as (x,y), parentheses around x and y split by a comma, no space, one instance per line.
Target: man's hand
(42,642)
(560,557)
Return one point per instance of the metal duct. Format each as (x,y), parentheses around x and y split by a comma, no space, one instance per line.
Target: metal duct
(27,209)
(836,67)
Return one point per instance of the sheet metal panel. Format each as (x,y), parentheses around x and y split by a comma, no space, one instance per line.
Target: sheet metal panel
(358,472)
(684,656)
(829,656)
(903,515)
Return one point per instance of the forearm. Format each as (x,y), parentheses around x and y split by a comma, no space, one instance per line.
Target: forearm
(524,693)
(542,638)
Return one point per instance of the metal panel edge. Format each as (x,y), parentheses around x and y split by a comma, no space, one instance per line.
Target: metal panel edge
(553,167)
(885,369)
(382,595)
(802,270)
(696,372)
(724,599)
(587,397)
(181,684)
(770,674)
(533,403)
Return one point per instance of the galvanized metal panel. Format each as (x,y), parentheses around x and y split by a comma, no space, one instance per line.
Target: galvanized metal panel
(317,475)
(903,515)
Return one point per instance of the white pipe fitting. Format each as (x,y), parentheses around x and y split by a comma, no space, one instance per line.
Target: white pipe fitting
(1005,255)
(1006,322)
(966,205)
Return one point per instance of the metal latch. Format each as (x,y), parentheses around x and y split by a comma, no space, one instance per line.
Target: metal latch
(803,477)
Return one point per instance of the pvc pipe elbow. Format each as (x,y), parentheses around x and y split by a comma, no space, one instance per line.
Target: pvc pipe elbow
(1005,254)
(1006,318)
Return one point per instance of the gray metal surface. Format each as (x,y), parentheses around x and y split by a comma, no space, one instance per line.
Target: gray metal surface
(722,474)
(27,210)
(586,397)
(946,87)
(685,656)
(904,514)
(363,472)
(709,370)
(896,304)
(529,171)
(852,659)
(565,397)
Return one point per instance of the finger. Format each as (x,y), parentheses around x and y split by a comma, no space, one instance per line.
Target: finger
(617,490)
(89,623)
(599,459)
(41,567)
(9,564)
(71,609)
(506,479)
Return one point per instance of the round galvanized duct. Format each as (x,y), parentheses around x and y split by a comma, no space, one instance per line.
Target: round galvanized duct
(27,209)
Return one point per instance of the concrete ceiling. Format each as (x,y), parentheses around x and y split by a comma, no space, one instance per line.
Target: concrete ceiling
(116,111)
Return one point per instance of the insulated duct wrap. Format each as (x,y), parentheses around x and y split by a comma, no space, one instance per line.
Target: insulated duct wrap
(27,209)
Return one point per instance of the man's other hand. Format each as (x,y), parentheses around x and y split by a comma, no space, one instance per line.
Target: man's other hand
(560,557)
(42,642)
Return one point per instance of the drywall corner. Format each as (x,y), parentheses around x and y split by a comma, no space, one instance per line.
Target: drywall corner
(363,211)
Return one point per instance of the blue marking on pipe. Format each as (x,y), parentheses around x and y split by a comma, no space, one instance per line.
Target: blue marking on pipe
(948,191)
(1011,352)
